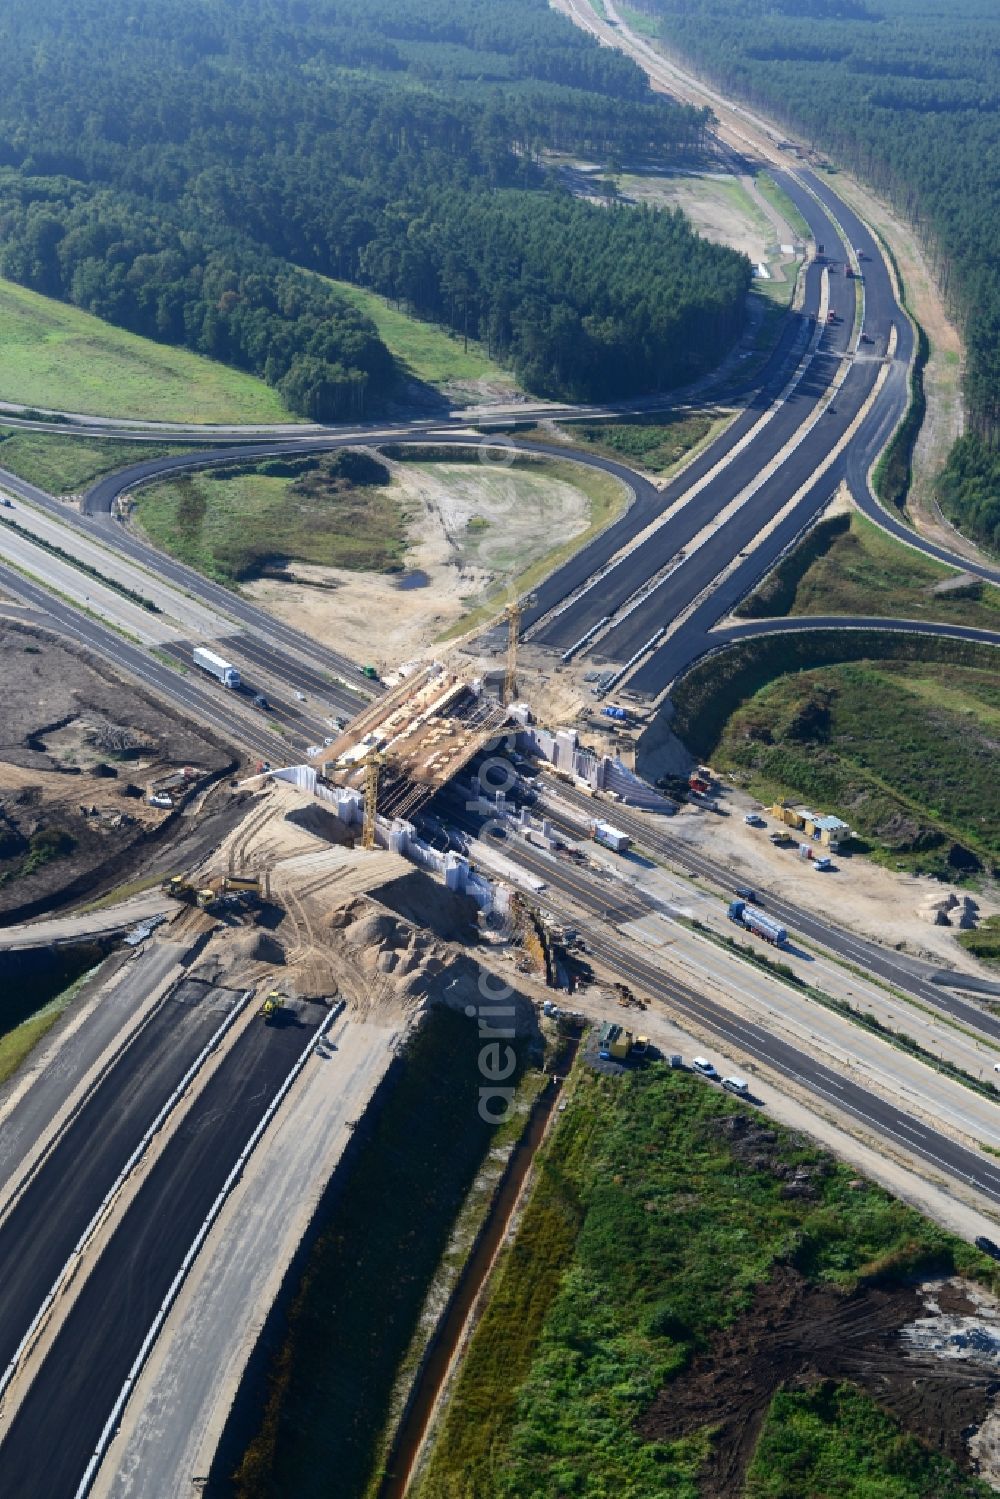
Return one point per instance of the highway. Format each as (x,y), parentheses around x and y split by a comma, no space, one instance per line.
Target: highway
(342,679)
(571,809)
(39,1231)
(189,692)
(834,1088)
(692,567)
(61,1064)
(690,570)
(58,1424)
(608,907)
(704,552)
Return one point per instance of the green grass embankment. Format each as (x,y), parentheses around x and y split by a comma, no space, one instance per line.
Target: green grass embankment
(894,471)
(361,1296)
(654,443)
(646,1231)
(895,734)
(848,565)
(31,1006)
(66,465)
(835,1441)
(58,357)
(984,943)
(779,199)
(426,351)
(234,523)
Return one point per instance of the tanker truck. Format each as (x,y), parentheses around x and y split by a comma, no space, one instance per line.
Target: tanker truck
(757,922)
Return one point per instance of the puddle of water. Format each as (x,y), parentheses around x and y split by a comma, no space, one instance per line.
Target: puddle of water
(415,578)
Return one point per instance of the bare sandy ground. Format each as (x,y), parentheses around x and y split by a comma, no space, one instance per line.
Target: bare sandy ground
(471,527)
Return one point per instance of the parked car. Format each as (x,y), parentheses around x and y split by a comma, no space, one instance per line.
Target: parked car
(736,1085)
(704,1066)
(988,1247)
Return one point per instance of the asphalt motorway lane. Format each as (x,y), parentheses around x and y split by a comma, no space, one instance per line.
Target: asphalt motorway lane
(261,625)
(887,1122)
(185,692)
(58,1425)
(39,1233)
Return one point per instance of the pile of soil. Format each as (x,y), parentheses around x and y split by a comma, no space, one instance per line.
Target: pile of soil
(795,1334)
(758,1148)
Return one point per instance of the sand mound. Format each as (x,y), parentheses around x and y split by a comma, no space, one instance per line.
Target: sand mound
(321,823)
(420,900)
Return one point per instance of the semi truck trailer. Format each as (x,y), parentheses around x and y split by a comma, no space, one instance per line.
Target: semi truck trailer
(609,837)
(757,922)
(222,671)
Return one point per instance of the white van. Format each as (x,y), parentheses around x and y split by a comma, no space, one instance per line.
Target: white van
(736,1085)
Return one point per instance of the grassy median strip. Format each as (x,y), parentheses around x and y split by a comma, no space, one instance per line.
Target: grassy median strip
(779,199)
(45,545)
(863,1018)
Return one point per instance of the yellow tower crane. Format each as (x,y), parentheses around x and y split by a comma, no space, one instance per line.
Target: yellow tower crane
(512,614)
(374,761)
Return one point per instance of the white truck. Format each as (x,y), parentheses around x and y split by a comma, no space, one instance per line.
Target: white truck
(610,837)
(222,671)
